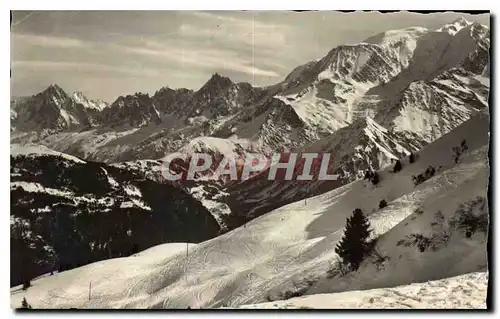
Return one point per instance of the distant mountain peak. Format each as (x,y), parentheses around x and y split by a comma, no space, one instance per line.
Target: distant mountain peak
(54,89)
(141,94)
(461,20)
(217,79)
(80,98)
(54,86)
(455,26)
(55,93)
(137,110)
(216,75)
(164,89)
(78,94)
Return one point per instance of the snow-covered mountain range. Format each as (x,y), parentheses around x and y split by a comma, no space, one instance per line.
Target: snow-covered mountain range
(368,105)
(381,78)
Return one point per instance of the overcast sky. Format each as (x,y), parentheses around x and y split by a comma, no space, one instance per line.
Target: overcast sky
(105,54)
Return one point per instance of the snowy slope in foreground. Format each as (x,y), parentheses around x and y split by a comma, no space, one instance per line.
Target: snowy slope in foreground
(467,291)
(275,252)
(117,269)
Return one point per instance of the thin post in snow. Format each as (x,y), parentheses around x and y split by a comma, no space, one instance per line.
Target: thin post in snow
(187,256)
(90,288)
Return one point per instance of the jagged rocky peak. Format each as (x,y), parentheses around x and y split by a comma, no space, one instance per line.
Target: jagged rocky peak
(137,100)
(171,100)
(137,110)
(55,91)
(184,91)
(54,88)
(77,95)
(141,95)
(480,32)
(164,90)
(244,85)
(218,80)
(218,96)
(164,95)
(461,21)
(131,99)
(51,110)
(80,98)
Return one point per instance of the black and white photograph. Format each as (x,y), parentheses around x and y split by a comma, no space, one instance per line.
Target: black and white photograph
(249,160)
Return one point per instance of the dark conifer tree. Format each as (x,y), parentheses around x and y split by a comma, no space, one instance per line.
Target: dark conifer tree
(382,204)
(354,246)
(464,146)
(25,304)
(397,166)
(412,157)
(457,151)
(368,174)
(375,178)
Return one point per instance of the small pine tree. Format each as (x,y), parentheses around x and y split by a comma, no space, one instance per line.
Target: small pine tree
(430,171)
(457,151)
(375,178)
(412,157)
(26,284)
(464,146)
(25,304)
(353,246)
(372,176)
(397,166)
(382,204)
(368,174)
